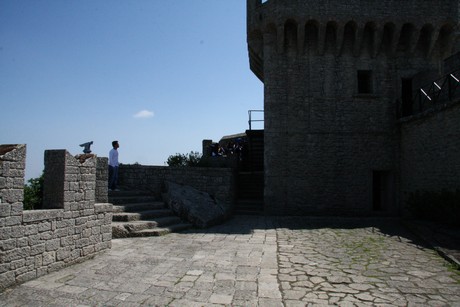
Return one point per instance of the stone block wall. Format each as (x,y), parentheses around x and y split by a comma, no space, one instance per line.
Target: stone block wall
(34,243)
(332,81)
(218,182)
(430,147)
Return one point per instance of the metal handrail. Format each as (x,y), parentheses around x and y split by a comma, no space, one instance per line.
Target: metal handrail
(250,121)
(441,90)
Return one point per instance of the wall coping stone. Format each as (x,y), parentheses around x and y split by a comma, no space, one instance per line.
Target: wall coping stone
(41,215)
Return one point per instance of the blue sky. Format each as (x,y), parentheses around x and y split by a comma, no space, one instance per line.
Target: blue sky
(159,76)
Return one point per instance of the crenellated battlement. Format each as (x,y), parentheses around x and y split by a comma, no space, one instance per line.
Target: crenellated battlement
(354,28)
(74,226)
(335,74)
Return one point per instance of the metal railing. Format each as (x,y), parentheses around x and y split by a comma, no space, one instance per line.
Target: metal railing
(439,91)
(251,120)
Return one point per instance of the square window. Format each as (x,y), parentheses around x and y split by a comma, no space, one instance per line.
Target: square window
(365,82)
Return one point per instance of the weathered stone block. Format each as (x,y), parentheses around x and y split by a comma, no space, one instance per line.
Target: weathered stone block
(17,264)
(37,261)
(37,249)
(13,220)
(49,257)
(22,242)
(5,210)
(47,235)
(45,226)
(96,230)
(52,245)
(41,271)
(7,244)
(107,237)
(107,244)
(63,253)
(88,212)
(26,276)
(194,206)
(106,228)
(4,267)
(2,182)
(17,231)
(86,233)
(34,239)
(103,207)
(17,208)
(82,242)
(41,215)
(14,254)
(7,279)
(31,229)
(56,266)
(88,250)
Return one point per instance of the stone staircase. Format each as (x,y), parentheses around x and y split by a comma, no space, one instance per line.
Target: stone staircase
(138,214)
(250,195)
(250,177)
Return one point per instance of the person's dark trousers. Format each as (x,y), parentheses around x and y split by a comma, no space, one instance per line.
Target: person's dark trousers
(113,177)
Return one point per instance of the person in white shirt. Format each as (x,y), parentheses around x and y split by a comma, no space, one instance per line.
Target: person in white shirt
(113,166)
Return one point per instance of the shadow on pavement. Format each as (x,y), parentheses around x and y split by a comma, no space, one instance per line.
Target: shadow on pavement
(424,234)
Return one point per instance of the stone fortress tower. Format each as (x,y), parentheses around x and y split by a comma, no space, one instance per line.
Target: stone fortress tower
(337,77)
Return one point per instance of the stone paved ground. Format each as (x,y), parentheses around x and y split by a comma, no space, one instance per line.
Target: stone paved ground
(256,261)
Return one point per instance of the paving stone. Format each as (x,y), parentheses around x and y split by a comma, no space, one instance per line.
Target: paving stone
(344,264)
(221,299)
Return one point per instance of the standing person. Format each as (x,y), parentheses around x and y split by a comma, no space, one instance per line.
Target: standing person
(113,166)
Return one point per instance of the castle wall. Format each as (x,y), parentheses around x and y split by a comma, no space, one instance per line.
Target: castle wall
(36,242)
(430,144)
(332,89)
(218,182)
(323,140)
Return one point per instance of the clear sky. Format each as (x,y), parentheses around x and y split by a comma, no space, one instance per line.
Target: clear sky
(159,76)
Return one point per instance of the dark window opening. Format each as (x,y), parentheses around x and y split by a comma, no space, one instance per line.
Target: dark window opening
(365,82)
(406,97)
(382,190)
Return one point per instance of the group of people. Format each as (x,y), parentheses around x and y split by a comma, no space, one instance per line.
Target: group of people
(233,148)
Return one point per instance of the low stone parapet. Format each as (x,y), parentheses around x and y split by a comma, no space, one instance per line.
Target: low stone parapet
(218,182)
(73,229)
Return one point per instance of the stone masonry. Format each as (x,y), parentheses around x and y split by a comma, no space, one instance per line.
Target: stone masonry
(334,75)
(218,182)
(72,229)
(430,162)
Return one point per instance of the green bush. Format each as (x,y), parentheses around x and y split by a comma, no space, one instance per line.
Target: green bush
(33,193)
(441,206)
(191,159)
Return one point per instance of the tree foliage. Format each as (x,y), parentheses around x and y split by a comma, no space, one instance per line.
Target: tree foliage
(191,159)
(33,193)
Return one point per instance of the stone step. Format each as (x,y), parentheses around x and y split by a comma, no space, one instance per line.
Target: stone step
(141,215)
(145,224)
(161,231)
(148,227)
(138,214)
(133,207)
(131,199)
(249,207)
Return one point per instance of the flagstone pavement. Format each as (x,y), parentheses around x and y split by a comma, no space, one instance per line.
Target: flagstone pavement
(257,261)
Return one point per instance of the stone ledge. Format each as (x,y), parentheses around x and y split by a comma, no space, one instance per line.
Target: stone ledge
(41,215)
(103,207)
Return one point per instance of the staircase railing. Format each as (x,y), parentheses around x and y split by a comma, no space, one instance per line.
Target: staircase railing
(439,91)
(251,120)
